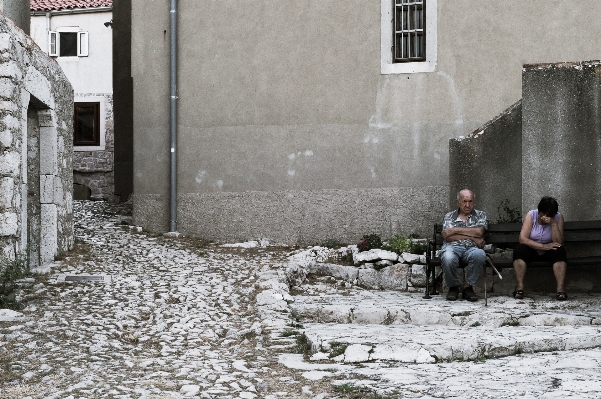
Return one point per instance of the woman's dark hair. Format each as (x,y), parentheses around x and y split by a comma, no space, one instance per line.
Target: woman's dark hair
(548,206)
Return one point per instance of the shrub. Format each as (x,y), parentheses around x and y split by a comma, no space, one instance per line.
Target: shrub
(10,272)
(369,241)
(400,244)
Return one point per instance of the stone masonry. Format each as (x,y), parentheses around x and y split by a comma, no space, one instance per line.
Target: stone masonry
(36,128)
(95,169)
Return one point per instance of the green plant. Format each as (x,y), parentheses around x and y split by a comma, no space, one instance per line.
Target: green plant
(352,391)
(303,346)
(507,214)
(11,270)
(337,349)
(411,244)
(369,241)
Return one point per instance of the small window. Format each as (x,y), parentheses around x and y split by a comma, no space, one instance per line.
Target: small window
(86,124)
(68,44)
(409,42)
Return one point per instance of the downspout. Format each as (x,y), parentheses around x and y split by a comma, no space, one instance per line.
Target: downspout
(173,116)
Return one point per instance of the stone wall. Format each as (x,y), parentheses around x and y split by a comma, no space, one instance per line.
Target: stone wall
(300,217)
(489,162)
(95,169)
(36,133)
(562,137)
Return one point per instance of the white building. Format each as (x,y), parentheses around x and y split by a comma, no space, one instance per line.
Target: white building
(78,34)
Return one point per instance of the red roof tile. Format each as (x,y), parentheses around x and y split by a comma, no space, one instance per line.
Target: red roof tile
(51,5)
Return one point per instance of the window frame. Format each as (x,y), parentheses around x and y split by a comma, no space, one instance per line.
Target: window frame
(82,98)
(96,129)
(54,42)
(387,64)
(409,33)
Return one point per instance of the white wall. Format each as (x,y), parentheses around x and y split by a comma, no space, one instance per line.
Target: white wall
(91,74)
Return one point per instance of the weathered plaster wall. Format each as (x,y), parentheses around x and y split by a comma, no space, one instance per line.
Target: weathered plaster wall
(36,129)
(489,162)
(562,137)
(285,97)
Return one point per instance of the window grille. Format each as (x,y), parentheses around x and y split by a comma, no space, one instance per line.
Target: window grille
(409,41)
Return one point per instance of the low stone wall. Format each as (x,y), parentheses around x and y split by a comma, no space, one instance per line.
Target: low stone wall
(296,217)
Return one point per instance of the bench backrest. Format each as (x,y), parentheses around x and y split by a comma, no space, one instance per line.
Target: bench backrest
(509,233)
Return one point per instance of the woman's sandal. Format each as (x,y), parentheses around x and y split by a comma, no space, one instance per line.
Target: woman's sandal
(561,296)
(519,294)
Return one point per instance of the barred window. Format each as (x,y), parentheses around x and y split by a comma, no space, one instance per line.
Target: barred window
(409,41)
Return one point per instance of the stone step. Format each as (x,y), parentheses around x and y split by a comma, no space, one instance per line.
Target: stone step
(354,343)
(395,308)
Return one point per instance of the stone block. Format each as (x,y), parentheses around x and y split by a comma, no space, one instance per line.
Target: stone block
(8,106)
(418,275)
(39,86)
(357,353)
(48,236)
(6,138)
(411,258)
(9,224)
(10,163)
(7,187)
(46,189)
(11,123)
(369,278)
(7,88)
(58,193)
(346,273)
(394,277)
(48,151)
(11,70)
(368,315)
(5,42)
(405,354)
(374,255)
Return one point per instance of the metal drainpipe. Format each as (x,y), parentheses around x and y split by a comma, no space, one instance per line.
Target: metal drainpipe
(173,116)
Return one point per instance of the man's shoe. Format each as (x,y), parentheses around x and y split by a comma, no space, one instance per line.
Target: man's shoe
(469,294)
(453,293)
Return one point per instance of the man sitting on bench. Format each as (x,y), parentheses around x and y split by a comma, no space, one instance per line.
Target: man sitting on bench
(463,233)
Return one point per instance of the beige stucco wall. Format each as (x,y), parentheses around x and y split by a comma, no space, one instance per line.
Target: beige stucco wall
(281,98)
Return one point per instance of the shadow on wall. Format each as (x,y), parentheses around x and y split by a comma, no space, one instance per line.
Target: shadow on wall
(81,192)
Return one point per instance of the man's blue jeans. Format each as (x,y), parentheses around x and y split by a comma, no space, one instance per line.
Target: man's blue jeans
(451,256)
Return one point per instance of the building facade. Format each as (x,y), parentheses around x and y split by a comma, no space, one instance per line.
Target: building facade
(78,35)
(327,120)
(36,126)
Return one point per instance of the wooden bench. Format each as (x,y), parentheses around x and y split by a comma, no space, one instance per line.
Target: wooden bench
(506,235)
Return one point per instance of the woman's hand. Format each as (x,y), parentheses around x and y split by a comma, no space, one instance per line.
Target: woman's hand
(547,220)
(552,246)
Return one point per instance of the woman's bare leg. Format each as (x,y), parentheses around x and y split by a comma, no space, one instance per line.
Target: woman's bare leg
(559,269)
(520,272)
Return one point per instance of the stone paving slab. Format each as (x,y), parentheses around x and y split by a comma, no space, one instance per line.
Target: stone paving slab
(389,307)
(430,344)
(570,374)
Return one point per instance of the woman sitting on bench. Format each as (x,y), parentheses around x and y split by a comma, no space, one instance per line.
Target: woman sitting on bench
(541,239)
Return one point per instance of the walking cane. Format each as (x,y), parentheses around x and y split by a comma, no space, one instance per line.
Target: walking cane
(485,279)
